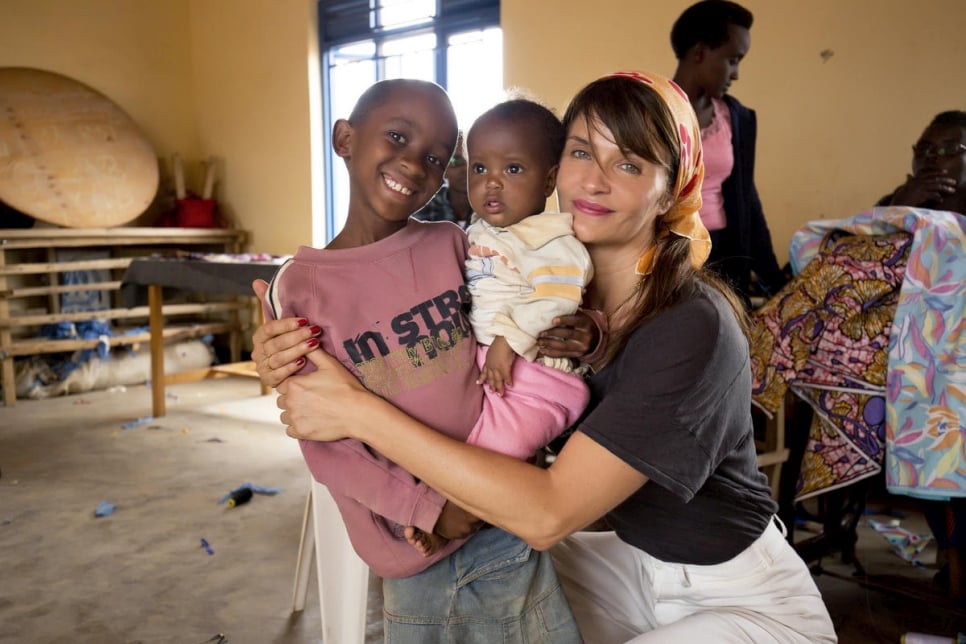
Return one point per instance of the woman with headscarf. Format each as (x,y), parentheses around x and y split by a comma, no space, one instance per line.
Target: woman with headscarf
(665,453)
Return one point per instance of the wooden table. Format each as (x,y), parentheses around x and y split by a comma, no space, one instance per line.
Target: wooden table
(197,276)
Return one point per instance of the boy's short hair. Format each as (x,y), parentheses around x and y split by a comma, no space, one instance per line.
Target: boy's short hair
(379,92)
(952,117)
(707,23)
(553,135)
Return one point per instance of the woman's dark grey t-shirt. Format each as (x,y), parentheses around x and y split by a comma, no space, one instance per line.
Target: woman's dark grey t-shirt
(676,406)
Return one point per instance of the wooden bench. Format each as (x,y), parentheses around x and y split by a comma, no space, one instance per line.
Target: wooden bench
(31,288)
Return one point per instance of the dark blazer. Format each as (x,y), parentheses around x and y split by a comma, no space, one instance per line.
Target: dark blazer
(745,244)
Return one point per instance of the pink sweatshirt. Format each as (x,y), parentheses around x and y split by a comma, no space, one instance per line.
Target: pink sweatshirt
(394,313)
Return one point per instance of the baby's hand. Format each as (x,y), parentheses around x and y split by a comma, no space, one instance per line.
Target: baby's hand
(499,363)
(573,336)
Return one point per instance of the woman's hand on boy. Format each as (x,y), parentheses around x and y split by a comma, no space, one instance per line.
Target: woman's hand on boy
(328,404)
(279,347)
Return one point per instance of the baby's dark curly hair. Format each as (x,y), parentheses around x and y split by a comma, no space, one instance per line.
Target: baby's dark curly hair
(532,114)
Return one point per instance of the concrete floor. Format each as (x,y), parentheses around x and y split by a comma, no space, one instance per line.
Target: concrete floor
(141,574)
(894,597)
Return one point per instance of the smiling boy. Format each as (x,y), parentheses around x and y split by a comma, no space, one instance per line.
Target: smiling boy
(388,297)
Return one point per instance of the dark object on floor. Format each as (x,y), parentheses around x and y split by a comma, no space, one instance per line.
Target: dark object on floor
(251,487)
(217,639)
(240,497)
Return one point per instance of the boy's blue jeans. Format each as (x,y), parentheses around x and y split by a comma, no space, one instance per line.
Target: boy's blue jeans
(493,589)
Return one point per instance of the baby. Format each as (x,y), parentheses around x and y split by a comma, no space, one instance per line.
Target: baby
(525,268)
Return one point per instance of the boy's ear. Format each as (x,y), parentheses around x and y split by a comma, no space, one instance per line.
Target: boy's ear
(551,182)
(698,52)
(342,138)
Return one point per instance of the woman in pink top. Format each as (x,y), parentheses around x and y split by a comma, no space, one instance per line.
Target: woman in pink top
(710,39)
(719,160)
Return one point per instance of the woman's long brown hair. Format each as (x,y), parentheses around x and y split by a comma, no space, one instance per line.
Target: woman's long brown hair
(642,125)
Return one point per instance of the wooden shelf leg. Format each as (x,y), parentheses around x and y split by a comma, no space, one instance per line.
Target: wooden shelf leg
(235,336)
(9,377)
(156,324)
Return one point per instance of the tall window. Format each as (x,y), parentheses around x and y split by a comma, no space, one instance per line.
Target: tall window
(455,43)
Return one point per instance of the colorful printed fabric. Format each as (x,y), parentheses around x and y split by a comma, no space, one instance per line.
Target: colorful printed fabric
(906,544)
(825,336)
(926,382)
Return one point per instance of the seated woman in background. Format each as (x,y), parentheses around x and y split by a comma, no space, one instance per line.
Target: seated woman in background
(938,182)
(887,288)
(938,179)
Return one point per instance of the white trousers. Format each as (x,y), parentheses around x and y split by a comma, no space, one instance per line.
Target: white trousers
(620,594)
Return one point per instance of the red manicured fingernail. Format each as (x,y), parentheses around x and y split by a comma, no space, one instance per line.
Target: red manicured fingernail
(303,322)
(316,329)
(300,362)
(312,342)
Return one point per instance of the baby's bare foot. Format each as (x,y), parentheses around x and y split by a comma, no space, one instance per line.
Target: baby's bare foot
(426,543)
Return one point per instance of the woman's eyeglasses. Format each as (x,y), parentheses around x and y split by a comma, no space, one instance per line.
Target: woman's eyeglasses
(922,150)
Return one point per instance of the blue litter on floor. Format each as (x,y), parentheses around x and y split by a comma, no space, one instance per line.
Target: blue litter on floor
(104,509)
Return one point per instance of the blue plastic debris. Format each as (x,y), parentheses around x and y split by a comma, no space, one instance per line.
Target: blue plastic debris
(207,547)
(131,424)
(89,330)
(257,489)
(104,509)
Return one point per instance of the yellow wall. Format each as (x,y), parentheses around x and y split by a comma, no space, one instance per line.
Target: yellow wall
(834,134)
(136,52)
(228,78)
(237,79)
(251,62)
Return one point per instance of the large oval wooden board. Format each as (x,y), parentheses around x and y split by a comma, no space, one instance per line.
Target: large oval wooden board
(68,155)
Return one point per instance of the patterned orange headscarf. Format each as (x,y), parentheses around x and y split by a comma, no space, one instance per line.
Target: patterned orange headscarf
(682,219)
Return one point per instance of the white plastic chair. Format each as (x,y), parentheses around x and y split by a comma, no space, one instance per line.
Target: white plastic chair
(343,576)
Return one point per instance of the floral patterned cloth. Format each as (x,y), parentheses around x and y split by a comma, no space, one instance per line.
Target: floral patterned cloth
(828,330)
(826,336)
